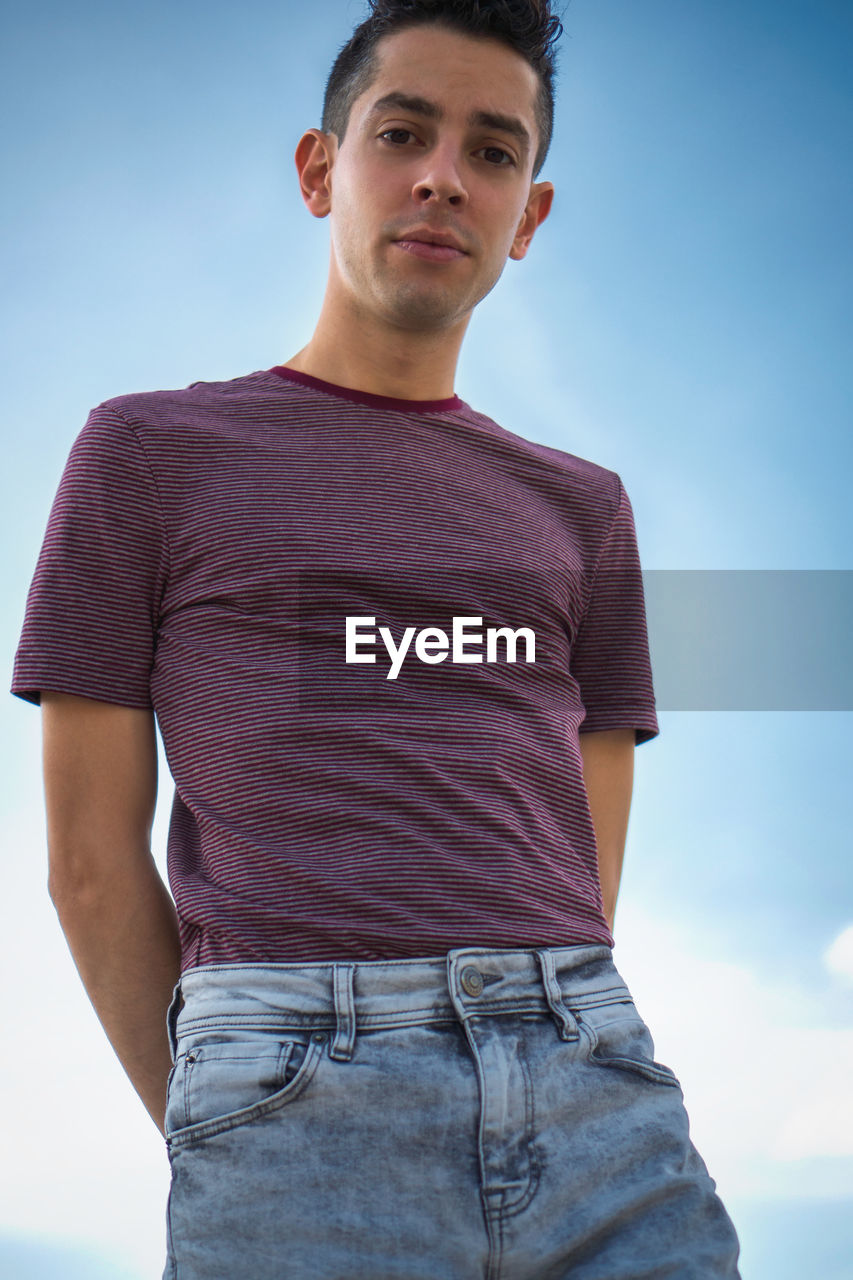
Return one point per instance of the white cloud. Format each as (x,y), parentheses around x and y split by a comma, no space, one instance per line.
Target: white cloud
(838,956)
(86,1164)
(764,1065)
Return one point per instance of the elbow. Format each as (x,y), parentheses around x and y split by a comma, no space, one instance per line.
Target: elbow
(85,875)
(75,880)
(67,890)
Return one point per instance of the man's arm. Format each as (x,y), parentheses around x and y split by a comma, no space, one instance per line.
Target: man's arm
(608,770)
(100,779)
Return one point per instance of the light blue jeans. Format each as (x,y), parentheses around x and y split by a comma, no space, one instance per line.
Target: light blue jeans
(485,1115)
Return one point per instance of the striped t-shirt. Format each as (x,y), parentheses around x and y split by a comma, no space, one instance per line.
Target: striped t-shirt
(371,630)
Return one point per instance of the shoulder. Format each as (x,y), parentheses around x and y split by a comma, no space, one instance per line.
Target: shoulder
(199,400)
(578,476)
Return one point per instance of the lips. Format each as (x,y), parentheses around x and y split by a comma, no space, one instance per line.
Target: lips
(427,236)
(432,252)
(426,242)
(432,246)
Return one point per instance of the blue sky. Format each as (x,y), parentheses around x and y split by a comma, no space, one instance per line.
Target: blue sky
(681,319)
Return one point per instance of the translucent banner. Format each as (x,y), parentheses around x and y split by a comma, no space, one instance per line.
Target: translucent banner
(751,639)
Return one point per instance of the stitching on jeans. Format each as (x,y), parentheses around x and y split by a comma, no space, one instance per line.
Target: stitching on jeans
(289,1022)
(190,1135)
(509,1210)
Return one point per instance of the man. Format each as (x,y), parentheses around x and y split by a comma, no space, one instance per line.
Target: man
(399,661)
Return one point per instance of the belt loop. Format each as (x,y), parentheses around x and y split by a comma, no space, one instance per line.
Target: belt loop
(565,1018)
(175,1007)
(342,1045)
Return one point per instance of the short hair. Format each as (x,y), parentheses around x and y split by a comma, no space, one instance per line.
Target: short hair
(528,26)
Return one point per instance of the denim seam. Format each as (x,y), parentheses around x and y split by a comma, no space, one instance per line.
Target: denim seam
(191,1134)
(290,1018)
(517,1206)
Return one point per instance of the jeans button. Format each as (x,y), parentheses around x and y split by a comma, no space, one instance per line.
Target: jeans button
(471,980)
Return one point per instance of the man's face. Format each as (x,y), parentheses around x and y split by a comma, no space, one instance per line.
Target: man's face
(407,170)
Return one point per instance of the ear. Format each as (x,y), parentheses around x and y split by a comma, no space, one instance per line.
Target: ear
(315,154)
(535,212)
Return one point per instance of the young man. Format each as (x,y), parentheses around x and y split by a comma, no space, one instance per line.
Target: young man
(399,661)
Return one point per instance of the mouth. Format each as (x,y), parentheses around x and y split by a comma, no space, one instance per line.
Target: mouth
(433,251)
(432,244)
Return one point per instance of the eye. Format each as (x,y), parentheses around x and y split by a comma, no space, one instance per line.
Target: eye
(500,151)
(388,132)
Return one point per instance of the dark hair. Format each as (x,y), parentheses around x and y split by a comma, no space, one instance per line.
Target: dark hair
(528,26)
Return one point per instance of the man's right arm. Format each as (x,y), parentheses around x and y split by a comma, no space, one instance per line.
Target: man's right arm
(100,779)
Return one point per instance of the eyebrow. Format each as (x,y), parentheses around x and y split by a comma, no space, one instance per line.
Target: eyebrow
(423,107)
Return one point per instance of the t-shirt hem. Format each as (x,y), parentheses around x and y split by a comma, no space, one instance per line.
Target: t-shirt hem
(642,722)
(31,688)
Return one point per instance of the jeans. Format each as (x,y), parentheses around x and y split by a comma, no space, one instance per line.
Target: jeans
(487,1114)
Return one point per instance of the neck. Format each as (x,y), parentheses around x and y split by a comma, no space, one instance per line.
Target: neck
(367,355)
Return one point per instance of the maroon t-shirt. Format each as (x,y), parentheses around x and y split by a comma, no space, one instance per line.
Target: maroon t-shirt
(371,631)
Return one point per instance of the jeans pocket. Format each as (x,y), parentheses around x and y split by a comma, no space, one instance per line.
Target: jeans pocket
(218,1084)
(618,1037)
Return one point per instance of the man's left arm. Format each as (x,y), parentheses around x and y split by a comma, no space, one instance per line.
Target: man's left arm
(608,770)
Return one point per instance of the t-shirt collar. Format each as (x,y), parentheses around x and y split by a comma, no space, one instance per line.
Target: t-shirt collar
(367,397)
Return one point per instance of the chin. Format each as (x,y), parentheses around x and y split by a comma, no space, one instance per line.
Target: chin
(434,309)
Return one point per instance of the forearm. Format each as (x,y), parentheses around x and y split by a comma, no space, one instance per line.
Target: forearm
(123,936)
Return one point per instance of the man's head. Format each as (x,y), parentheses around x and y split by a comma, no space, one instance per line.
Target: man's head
(440,138)
(528,26)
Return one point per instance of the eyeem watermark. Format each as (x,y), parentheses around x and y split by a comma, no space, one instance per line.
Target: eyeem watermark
(432,644)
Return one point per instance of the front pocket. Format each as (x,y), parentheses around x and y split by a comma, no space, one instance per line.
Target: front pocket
(618,1037)
(219,1084)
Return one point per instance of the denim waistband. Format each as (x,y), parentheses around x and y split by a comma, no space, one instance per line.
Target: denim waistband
(343,996)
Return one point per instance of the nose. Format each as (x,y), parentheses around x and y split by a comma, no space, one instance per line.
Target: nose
(441,179)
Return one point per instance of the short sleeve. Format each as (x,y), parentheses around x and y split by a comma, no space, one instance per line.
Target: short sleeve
(91,614)
(610,656)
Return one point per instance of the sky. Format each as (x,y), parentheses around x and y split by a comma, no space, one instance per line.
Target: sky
(683,318)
